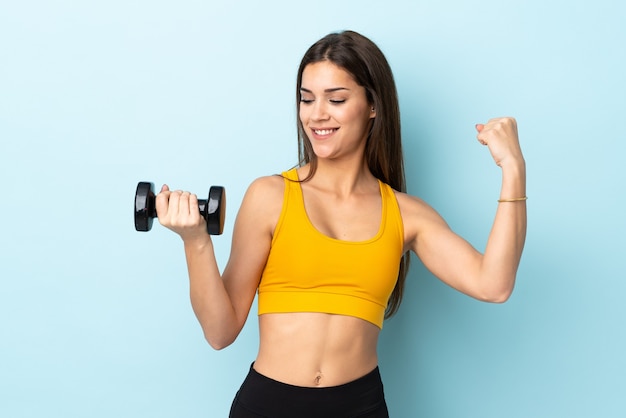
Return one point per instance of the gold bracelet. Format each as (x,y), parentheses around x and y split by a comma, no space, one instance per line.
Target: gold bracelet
(515,199)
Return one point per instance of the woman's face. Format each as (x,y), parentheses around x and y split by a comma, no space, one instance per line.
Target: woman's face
(334,111)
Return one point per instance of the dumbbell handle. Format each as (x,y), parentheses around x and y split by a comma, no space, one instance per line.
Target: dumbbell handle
(151,209)
(212,209)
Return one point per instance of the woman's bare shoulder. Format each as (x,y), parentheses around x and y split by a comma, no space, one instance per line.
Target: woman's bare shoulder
(263,201)
(267,187)
(417,217)
(411,204)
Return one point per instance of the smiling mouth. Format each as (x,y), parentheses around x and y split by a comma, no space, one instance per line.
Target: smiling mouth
(323,132)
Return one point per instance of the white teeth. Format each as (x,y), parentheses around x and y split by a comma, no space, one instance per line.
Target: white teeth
(324,131)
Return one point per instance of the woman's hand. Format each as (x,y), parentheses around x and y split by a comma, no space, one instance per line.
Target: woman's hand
(178,211)
(500,135)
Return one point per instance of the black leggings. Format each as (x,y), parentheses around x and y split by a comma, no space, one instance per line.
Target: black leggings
(260,396)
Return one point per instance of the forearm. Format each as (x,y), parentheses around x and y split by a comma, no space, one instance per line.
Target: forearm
(508,234)
(209,298)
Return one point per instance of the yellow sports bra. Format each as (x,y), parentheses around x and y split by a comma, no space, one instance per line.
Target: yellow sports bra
(307,271)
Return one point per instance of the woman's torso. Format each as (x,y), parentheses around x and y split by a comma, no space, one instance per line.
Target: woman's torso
(315,349)
(318,349)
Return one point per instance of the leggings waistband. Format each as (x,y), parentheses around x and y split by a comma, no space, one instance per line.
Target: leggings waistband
(264,396)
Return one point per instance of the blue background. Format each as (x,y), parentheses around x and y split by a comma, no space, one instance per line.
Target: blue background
(95,319)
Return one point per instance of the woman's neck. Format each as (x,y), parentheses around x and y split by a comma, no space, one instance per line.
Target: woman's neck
(341,177)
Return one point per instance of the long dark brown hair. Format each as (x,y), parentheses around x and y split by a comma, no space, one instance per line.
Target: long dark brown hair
(361,58)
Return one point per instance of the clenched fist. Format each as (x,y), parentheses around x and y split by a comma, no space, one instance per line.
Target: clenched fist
(500,136)
(178,211)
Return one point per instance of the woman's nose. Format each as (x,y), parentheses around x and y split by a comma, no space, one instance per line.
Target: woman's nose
(319,111)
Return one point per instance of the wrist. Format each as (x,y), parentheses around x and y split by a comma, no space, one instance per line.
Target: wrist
(197,242)
(514,165)
(514,172)
(513,180)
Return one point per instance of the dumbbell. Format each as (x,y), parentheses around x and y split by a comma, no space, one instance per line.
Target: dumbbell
(212,209)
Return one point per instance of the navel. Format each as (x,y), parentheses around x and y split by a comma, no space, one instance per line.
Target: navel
(318,379)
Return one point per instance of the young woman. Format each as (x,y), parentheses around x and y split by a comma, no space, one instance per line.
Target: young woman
(326,244)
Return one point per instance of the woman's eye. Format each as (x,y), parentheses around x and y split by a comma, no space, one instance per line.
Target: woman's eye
(306,101)
(337,101)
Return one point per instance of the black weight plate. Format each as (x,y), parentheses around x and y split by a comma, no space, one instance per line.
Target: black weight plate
(144,206)
(216,210)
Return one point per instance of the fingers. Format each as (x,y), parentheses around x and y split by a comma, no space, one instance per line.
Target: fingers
(496,128)
(183,203)
(193,203)
(500,135)
(177,210)
(162,201)
(506,123)
(179,207)
(481,138)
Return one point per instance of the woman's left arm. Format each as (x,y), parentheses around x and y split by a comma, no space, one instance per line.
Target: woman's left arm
(489,276)
(508,234)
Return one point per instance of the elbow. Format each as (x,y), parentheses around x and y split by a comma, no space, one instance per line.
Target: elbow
(497,296)
(220,334)
(494,287)
(218,347)
(218,342)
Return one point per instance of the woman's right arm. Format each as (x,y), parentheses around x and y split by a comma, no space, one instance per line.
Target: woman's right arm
(222,302)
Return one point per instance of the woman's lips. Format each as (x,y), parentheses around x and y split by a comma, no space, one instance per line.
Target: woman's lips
(322,133)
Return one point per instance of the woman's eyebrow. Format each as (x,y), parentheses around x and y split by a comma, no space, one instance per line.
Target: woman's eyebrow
(331,90)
